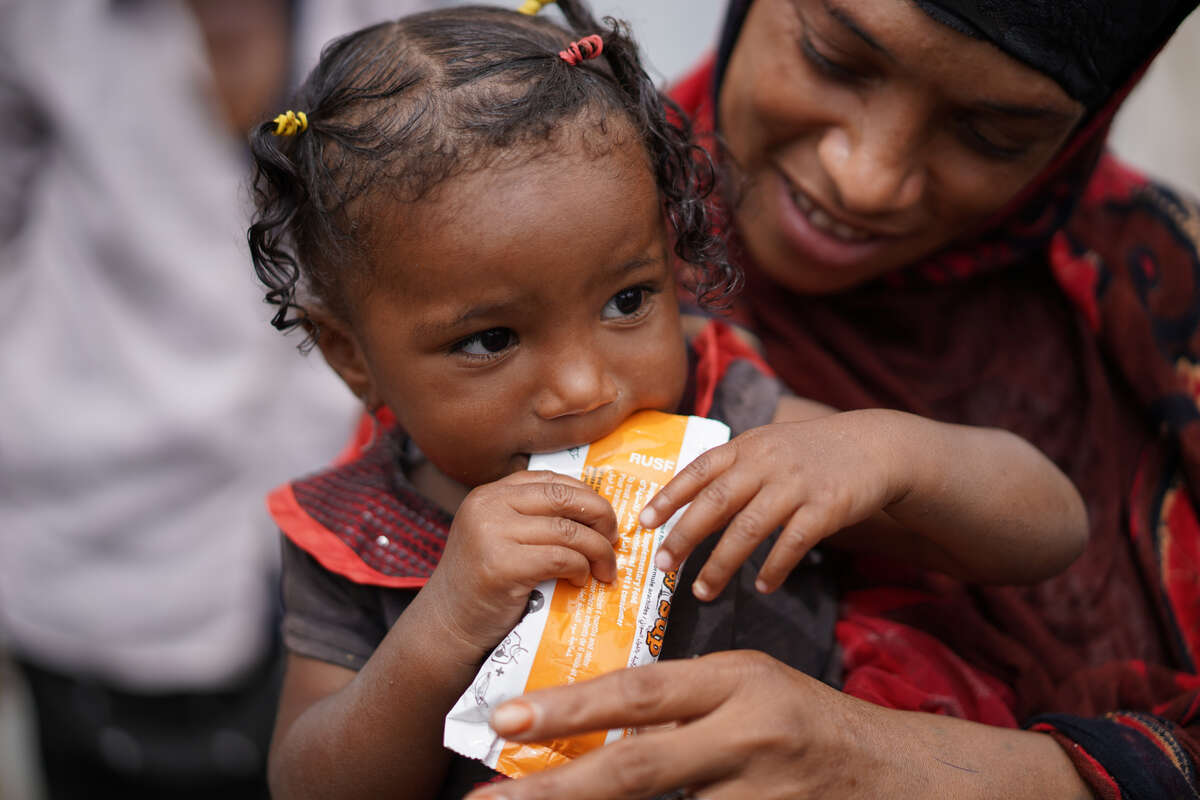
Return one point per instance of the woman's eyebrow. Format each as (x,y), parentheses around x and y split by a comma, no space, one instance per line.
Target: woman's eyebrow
(854,26)
(1046,113)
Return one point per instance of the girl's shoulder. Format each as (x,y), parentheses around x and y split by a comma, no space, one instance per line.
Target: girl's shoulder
(361,518)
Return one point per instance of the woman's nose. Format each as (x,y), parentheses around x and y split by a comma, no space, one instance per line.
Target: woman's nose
(876,164)
(575,382)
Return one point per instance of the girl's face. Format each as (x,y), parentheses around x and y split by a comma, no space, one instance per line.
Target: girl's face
(865,135)
(522,310)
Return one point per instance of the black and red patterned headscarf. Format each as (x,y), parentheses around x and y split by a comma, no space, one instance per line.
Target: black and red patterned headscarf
(1074,321)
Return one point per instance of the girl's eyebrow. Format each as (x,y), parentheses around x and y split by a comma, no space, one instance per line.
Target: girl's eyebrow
(606,274)
(438,327)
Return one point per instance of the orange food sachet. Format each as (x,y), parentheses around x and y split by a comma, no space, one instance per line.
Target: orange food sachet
(569,633)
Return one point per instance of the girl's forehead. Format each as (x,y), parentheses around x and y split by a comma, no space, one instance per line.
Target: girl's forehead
(574,204)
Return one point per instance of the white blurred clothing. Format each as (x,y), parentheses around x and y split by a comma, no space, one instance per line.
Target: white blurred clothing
(147,405)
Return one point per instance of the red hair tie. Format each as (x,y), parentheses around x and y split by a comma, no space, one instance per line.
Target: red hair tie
(585,49)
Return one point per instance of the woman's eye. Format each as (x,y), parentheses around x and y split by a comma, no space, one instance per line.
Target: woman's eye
(625,303)
(989,146)
(827,66)
(486,343)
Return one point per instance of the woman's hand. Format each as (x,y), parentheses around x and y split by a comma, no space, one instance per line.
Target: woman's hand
(742,725)
(509,536)
(813,478)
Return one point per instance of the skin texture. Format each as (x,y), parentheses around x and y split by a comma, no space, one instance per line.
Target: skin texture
(916,138)
(542,323)
(901,140)
(761,730)
(976,503)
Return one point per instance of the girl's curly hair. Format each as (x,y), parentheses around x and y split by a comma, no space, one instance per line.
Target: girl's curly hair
(395,109)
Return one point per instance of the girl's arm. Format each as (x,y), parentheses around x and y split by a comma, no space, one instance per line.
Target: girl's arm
(378,733)
(977,503)
(982,505)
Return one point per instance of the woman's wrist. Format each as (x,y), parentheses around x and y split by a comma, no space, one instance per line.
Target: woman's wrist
(968,760)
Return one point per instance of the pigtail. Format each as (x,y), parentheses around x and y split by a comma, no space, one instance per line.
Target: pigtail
(279,192)
(684,170)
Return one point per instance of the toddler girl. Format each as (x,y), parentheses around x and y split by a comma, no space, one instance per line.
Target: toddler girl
(478,217)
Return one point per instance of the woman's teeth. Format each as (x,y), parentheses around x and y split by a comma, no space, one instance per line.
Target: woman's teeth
(823,222)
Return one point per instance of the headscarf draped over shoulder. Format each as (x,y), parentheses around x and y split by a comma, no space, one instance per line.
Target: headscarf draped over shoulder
(1073,319)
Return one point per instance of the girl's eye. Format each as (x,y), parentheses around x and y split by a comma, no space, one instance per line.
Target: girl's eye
(625,303)
(486,343)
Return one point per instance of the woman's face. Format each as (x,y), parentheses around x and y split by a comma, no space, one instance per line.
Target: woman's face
(864,136)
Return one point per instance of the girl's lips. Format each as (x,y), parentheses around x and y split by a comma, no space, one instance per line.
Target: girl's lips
(812,231)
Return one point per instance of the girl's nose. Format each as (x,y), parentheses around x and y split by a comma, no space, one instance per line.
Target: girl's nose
(575,382)
(876,164)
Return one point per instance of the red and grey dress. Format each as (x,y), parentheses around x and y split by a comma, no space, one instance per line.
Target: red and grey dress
(360,541)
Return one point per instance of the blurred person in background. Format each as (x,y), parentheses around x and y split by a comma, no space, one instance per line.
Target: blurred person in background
(140,425)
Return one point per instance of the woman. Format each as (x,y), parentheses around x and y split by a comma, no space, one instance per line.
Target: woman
(929,222)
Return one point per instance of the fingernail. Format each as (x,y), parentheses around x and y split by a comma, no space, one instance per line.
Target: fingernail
(664,561)
(762,586)
(512,718)
(701,590)
(648,518)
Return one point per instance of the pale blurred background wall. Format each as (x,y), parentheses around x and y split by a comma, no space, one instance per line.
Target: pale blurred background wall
(1159,126)
(1157,131)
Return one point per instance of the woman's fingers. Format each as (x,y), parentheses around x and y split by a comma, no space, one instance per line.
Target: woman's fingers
(668,691)
(647,765)
(722,702)
(638,767)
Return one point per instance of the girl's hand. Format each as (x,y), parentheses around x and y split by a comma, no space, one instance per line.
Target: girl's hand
(813,478)
(740,724)
(509,536)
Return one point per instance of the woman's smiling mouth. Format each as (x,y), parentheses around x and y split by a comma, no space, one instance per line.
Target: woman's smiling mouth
(822,221)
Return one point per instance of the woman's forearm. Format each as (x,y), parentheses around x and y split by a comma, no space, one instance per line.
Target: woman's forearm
(967,760)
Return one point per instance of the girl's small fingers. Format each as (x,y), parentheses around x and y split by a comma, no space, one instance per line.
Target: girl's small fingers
(681,489)
(543,562)
(550,494)
(564,532)
(808,526)
(748,528)
(711,509)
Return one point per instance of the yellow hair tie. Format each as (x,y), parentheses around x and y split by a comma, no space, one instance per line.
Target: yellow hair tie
(290,123)
(532,7)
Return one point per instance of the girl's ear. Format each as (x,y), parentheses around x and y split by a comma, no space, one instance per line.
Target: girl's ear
(342,352)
